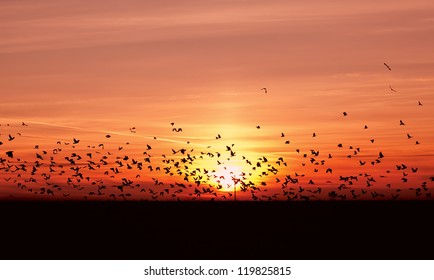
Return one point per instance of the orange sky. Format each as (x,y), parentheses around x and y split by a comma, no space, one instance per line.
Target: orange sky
(84,70)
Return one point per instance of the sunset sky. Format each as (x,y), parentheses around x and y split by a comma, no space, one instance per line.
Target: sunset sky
(85,69)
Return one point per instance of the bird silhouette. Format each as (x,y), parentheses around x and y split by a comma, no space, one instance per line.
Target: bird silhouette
(110,171)
(385,64)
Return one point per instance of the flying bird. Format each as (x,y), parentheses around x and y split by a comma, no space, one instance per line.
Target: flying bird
(391,88)
(385,64)
(265,90)
(180,165)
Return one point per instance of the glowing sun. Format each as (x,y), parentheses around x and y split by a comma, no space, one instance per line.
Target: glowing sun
(227,176)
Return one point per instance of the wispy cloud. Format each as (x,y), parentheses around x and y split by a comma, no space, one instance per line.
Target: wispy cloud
(66,24)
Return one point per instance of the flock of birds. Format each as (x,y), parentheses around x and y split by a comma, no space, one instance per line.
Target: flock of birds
(74,170)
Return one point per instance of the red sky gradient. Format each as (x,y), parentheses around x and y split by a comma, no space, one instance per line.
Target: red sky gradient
(80,69)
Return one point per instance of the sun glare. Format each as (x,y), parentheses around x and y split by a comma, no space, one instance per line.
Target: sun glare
(227,176)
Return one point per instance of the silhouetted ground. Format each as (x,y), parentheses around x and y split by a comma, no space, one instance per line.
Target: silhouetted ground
(217,230)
